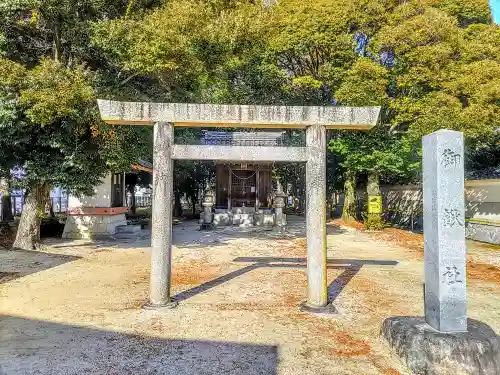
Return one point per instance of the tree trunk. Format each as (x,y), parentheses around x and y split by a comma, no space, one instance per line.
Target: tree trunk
(50,206)
(349,209)
(6,214)
(57,42)
(28,231)
(193,203)
(133,204)
(177,203)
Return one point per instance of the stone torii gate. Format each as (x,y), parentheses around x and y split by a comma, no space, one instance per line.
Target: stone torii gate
(166,116)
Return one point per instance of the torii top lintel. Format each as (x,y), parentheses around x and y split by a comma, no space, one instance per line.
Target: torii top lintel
(247,116)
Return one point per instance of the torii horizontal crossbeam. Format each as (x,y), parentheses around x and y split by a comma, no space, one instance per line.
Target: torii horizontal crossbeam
(239,153)
(248,116)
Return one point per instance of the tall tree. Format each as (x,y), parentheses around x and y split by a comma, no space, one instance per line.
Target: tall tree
(430,63)
(445,68)
(48,116)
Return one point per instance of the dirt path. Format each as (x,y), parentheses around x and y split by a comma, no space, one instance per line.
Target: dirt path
(75,307)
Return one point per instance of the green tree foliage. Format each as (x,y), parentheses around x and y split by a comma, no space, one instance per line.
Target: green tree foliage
(47,132)
(431,64)
(49,124)
(441,71)
(445,71)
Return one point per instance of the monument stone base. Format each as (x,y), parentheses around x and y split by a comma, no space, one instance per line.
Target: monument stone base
(88,224)
(428,351)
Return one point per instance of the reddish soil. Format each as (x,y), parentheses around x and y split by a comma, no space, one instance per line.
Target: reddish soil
(295,248)
(483,272)
(291,300)
(409,240)
(103,251)
(351,224)
(391,371)
(347,346)
(194,272)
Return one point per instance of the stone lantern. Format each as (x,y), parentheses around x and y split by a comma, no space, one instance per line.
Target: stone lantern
(208,203)
(279,204)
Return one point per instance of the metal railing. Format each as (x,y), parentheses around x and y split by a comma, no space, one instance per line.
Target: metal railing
(242,138)
(140,201)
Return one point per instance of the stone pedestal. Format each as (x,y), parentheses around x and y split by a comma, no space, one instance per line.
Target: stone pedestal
(483,230)
(264,219)
(208,203)
(93,223)
(279,204)
(428,351)
(222,219)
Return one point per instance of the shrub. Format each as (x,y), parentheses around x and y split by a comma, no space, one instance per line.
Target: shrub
(373,221)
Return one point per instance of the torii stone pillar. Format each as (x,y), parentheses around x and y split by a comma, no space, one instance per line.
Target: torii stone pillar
(316,218)
(161,233)
(315,119)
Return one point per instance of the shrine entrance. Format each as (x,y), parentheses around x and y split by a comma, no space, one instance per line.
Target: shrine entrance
(315,121)
(243,184)
(243,192)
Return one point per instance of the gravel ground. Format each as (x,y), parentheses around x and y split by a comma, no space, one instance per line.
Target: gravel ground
(75,307)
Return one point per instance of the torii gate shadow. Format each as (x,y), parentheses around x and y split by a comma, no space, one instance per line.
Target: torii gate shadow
(350,266)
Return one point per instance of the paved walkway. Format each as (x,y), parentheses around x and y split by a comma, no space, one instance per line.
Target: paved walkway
(75,307)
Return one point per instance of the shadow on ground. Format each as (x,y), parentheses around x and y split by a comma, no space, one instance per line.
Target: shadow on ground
(18,263)
(350,266)
(187,234)
(41,347)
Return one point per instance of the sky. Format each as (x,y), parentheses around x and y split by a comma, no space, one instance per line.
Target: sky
(495,7)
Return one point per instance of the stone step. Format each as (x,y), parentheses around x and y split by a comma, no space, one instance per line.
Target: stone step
(135,228)
(125,236)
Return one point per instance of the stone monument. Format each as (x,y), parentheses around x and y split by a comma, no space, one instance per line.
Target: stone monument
(444,231)
(442,342)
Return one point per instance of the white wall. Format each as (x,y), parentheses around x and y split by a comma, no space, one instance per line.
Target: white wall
(101,197)
(482,198)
